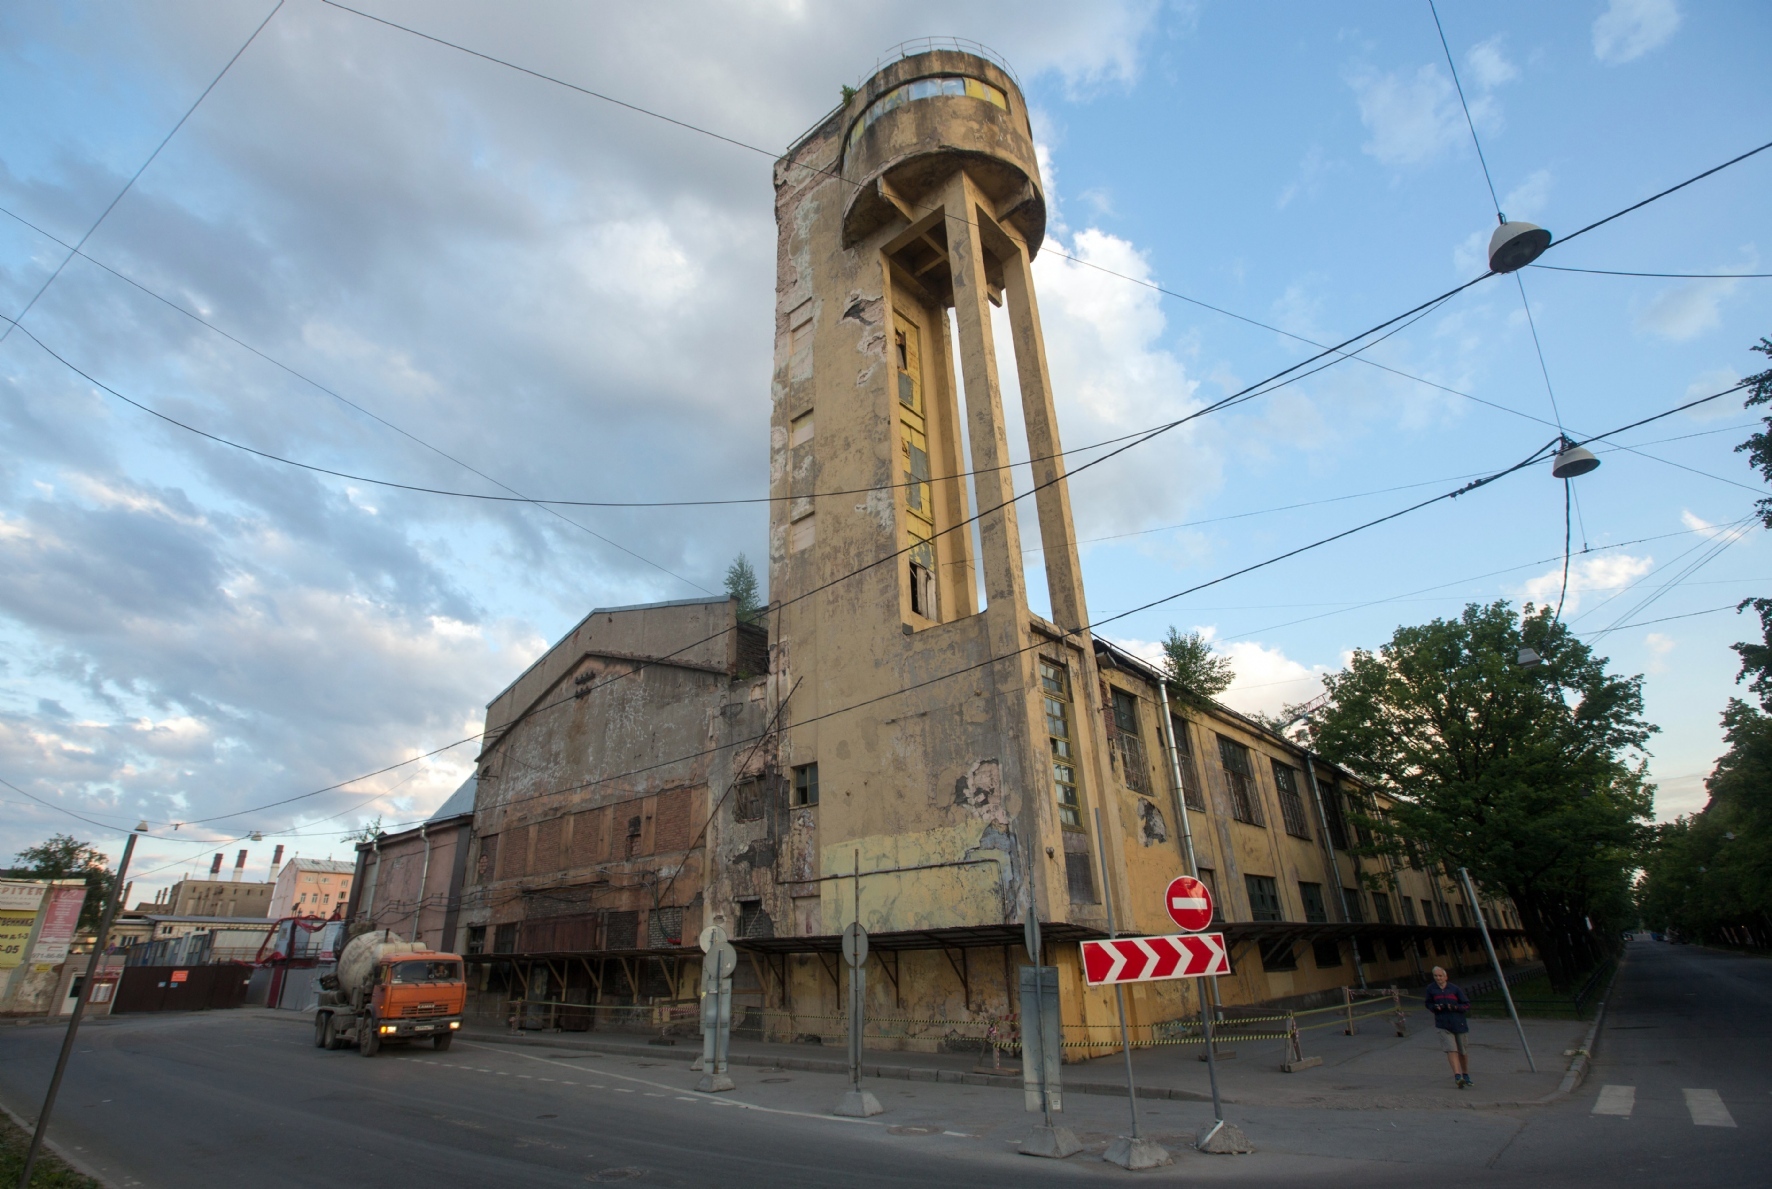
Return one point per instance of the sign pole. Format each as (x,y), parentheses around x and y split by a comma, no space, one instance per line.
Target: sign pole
(856,1103)
(1134,1151)
(1483,924)
(1053,1141)
(61,1061)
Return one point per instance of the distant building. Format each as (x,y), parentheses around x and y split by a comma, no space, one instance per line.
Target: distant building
(411,882)
(311,888)
(212,898)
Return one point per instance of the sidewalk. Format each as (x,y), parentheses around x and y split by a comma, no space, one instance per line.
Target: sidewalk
(1375,1069)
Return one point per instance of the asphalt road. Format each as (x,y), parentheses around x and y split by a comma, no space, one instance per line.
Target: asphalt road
(221,1098)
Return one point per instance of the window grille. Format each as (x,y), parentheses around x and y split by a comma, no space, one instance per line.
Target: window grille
(1291,804)
(1056,698)
(1239,776)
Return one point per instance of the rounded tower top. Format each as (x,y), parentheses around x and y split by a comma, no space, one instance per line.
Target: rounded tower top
(924,115)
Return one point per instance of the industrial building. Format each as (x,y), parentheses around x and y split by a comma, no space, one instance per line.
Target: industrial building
(900,739)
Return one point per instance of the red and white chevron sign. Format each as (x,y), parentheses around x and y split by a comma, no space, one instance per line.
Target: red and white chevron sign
(1146,959)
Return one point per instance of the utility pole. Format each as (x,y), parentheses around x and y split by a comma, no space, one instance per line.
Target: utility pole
(1482,923)
(98,951)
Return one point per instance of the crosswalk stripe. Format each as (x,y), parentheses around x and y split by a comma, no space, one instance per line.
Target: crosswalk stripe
(1616,1100)
(1707,1108)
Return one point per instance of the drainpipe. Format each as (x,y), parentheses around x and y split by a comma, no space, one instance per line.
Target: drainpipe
(423,874)
(1187,831)
(1310,776)
(372,877)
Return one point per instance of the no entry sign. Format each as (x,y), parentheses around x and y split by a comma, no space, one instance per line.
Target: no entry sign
(1145,959)
(1189,903)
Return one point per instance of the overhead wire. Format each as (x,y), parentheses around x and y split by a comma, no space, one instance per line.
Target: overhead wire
(1691,276)
(127,186)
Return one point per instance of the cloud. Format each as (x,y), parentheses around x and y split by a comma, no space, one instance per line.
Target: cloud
(1411,118)
(1659,646)
(1606,572)
(1685,311)
(1628,29)
(1112,374)
(1701,526)
(1707,383)
(557,292)
(1487,66)
(1528,199)
(1268,679)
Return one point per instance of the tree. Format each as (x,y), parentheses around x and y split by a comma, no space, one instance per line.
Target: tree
(1199,672)
(1531,778)
(741,584)
(368,832)
(65,857)
(1759,447)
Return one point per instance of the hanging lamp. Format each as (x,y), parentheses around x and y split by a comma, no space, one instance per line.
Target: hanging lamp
(1573,460)
(1515,245)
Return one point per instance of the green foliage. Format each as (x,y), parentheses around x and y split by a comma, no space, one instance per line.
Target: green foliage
(368,832)
(1200,672)
(65,857)
(741,584)
(848,94)
(48,1173)
(1709,875)
(1522,775)
(1759,447)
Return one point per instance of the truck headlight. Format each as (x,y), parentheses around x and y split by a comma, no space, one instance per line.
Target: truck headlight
(455,1023)
(386,1028)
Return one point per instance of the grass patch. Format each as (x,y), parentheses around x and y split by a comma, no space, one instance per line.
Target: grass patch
(1535,998)
(48,1173)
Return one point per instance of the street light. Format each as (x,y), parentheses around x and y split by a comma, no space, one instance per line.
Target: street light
(1515,245)
(1529,658)
(1573,460)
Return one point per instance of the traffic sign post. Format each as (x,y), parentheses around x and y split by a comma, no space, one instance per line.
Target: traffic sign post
(1130,1152)
(856,1102)
(716,1009)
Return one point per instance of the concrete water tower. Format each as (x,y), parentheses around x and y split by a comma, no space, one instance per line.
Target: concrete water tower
(903,219)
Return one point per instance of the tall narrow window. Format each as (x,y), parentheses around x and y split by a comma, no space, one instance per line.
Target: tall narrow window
(1408,909)
(1291,804)
(1191,794)
(806,784)
(1055,689)
(1239,776)
(1135,767)
(914,473)
(1209,877)
(1316,911)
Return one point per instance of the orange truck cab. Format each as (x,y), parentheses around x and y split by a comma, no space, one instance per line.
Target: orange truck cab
(419,996)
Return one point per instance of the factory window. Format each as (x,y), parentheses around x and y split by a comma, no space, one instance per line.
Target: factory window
(1351,898)
(1332,811)
(1326,953)
(753,921)
(1381,904)
(800,429)
(476,939)
(664,927)
(1209,877)
(924,88)
(806,784)
(1291,804)
(1079,876)
(1315,910)
(1056,695)
(1408,909)
(922,562)
(1135,768)
(1239,775)
(1191,795)
(504,939)
(1278,955)
(1264,898)
(747,801)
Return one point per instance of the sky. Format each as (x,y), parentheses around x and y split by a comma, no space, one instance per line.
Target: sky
(381,255)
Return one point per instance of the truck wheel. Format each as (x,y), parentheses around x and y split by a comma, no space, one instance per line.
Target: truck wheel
(368,1038)
(322,1030)
(441,1042)
(333,1042)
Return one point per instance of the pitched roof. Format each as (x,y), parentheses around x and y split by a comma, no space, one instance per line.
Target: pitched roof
(327,866)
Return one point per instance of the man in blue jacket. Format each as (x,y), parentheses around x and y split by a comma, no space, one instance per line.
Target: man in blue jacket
(1450,1005)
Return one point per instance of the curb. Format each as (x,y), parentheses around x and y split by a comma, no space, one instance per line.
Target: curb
(74,1162)
(1584,1054)
(903,1073)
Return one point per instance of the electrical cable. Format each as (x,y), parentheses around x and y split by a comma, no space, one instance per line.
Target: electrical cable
(1692,276)
(1736,533)
(60,809)
(641,666)
(1643,623)
(1472,124)
(1647,574)
(144,165)
(1564,591)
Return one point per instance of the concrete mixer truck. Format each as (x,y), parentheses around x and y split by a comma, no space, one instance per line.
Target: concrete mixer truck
(386,989)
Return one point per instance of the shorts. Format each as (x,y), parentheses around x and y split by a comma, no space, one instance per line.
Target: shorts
(1452,1042)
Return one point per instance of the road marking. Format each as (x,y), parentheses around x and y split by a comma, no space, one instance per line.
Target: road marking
(1616,1100)
(1707,1108)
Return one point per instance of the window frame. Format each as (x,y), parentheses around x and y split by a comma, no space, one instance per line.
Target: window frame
(804,790)
(1056,703)
(1292,813)
(1245,793)
(1271,891)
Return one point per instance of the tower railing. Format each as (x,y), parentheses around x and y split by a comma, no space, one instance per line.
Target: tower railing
(923,45)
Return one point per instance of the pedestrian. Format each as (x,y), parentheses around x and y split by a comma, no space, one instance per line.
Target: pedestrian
(1450,1006)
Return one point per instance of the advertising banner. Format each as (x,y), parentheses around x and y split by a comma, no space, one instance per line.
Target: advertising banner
(61,914)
